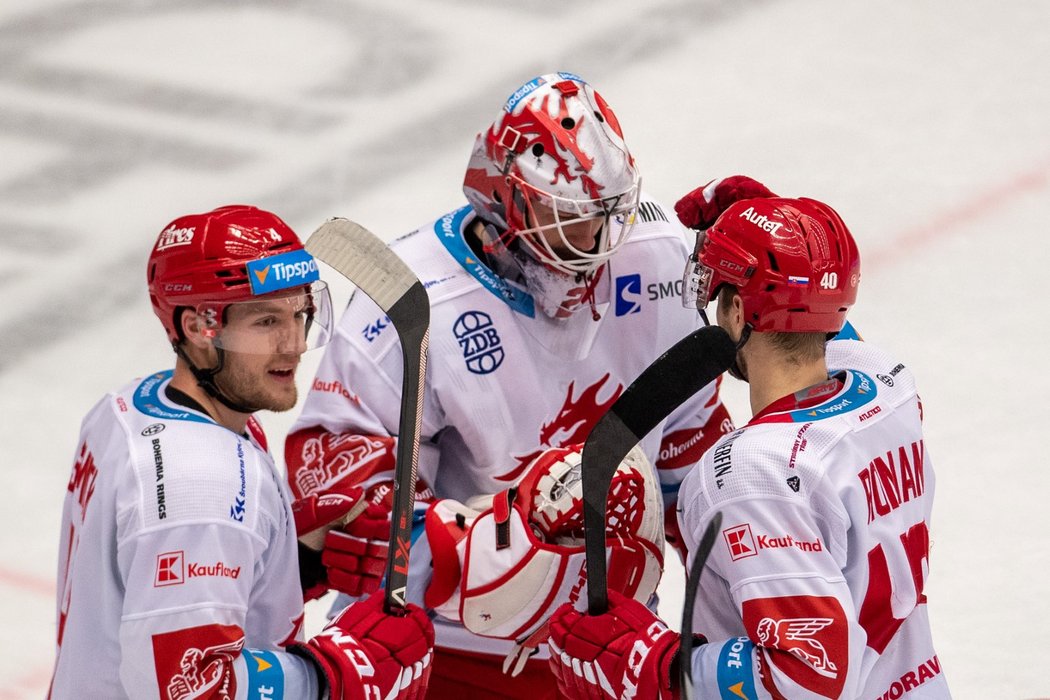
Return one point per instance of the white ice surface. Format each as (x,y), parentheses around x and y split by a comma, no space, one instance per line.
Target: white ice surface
(926,123)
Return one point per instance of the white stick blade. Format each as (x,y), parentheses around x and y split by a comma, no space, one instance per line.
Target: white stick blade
(363,258)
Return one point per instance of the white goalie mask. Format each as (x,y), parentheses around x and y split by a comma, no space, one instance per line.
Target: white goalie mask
(554,174)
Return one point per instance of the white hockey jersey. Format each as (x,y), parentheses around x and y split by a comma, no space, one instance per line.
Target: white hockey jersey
(814,588)
(178,565)
(499,388)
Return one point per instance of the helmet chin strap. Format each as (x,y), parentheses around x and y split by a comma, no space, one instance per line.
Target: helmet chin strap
(735,370)
(206,380)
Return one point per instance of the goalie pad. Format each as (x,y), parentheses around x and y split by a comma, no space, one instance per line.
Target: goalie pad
(502,571)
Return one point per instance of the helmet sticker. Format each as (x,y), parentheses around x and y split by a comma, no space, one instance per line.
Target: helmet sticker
(292,269)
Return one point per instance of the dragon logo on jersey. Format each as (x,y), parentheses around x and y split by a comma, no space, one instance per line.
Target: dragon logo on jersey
(571,424)
(478,340)
(198,662)
(814,633)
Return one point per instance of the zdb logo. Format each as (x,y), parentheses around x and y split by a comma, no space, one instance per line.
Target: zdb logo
(169,569)
(152,429)
(885,379)
(740,542)
(479,341)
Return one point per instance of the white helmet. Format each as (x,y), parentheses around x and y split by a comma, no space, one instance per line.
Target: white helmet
(556,144)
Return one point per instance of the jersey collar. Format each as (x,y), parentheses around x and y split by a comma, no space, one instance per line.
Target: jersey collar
(845,391)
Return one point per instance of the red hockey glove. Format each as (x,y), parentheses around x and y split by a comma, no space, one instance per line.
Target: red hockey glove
(355,555)
(365,653)
(317,513)
(315,517)
(699,209)
(627,652)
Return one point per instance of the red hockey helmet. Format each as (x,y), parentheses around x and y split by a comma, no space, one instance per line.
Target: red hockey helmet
(234,254)
(793,261)
(557,144)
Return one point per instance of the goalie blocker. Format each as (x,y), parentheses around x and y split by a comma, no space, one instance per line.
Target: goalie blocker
(504,563)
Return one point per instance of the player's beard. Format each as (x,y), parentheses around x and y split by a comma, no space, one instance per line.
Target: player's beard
(246,379)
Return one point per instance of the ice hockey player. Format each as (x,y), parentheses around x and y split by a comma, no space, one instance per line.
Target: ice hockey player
(814,588)
(178,574)
(551,290)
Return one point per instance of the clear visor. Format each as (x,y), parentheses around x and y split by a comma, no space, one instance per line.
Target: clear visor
(696,280)
(577,235)
(286,322)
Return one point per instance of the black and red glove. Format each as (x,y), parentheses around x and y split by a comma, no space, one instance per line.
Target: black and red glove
(365,653)
(351,530)
(355,555)
(701,207)
(627,652)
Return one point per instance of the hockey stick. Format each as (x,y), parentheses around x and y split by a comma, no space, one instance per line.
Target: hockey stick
(364,259)
(703,551)
(663,386)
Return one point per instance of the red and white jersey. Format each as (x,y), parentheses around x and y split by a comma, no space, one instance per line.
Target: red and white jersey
(499,387)
(814,588)
(178,568)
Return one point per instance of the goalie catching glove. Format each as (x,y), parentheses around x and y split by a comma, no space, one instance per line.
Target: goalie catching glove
(504,563)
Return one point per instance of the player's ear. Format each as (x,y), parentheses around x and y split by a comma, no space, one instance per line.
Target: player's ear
(194,329)
(730,310)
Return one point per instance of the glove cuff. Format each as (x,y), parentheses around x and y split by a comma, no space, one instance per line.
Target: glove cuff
(325,674)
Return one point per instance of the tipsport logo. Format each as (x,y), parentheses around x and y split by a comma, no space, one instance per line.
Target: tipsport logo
(292,269)
(530,87)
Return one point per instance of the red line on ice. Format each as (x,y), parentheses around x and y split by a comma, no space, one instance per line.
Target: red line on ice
(978,206)
(27,582)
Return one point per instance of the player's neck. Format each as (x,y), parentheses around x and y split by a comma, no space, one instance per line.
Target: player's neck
(184,381)
(771,376)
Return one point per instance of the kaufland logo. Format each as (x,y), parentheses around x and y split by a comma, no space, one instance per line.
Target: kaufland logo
(172,569)
(292,269)
(743,544)
(169,569)
(740,542)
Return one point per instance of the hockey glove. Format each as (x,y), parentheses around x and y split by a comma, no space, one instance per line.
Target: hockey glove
(699,209)
(366,653)
(355,555)
(315,517)
(626,653)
